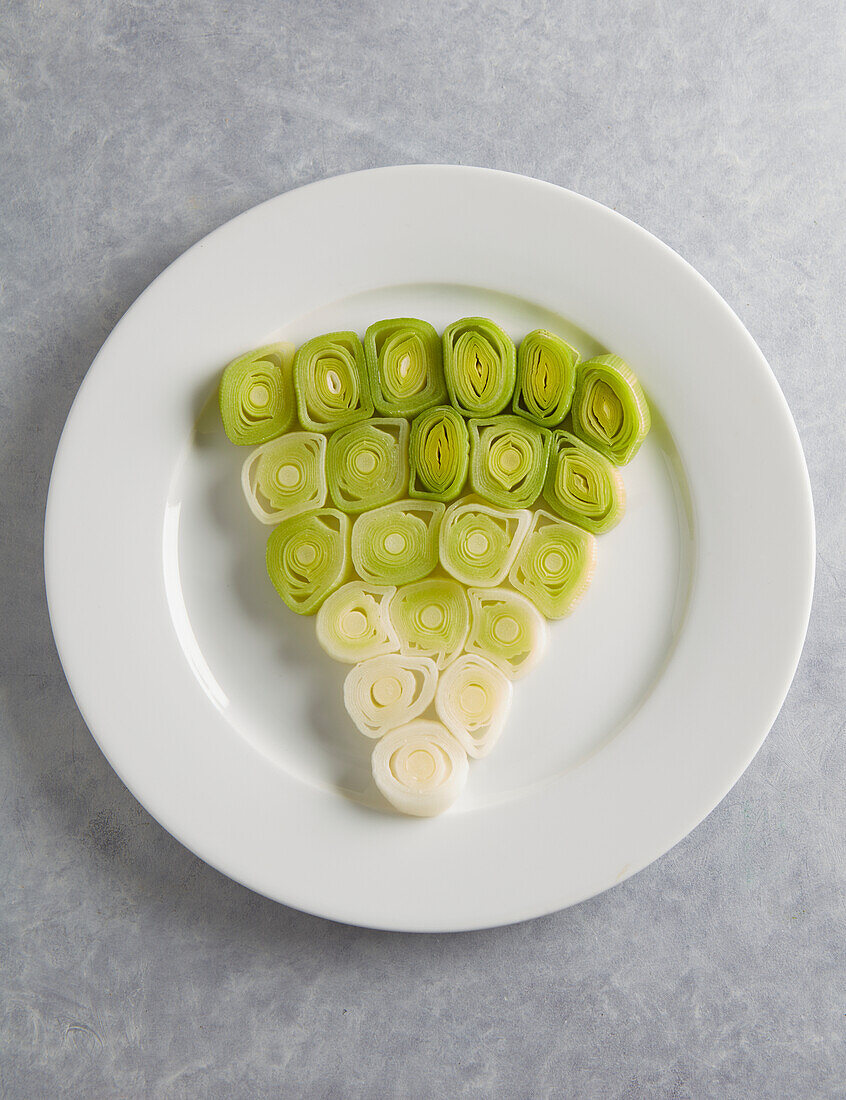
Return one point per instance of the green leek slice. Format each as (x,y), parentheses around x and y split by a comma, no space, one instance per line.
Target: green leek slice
(610,412)
(367,464)
(389,691)
(508,460)
(546,378)
(506,628)
(331,382)
(308,557)
(420,768)
(404,366)
(398,543)
(472,701)
(438,454)
(480,365)
(582,486)
(554,565)
(478,543)
(257,395)
(286,476)
(431,619)
(353,623)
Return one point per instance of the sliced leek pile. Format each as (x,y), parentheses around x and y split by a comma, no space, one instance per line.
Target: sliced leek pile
(434,500)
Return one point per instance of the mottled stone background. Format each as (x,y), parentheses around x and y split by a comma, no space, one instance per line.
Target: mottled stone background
(129,130)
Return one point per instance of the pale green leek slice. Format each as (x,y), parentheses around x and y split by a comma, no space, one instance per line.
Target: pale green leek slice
(420,768)
(286,476)
(367,464)
(582,486)
(431,619)
(610,412)
(385,692)
(398,543)
(480,366)
(404,366)
(554,565)
(308,557)
(472,701)
(506,628)
(478,543)
(546,378)
(508,460)
(257,395)
(331,382)
(353,623)
(438,453)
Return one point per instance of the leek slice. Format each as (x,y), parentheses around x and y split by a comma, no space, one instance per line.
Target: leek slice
(554,565)
(398,543)
(546,378)
(404,366)
(390,691)
(256,395)
(331,382)
(610,412)
(431,619)
(480,365)
(508,460)
(367,464)
(353,623)
(438,454)
(506,628)
(478,543)
(472,701)
(307,558)
(286,476)
(582,486)
(420,768)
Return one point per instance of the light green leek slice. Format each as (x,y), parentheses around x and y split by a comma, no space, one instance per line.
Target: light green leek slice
(389,691)
(398,543)
(506,628)
(472,701)
(508,460)
(286,476)
(554,565)
(404,366)
(367,464)
(257,395)
(353,623)
(480,365)
(610,412)
(438,453)
(431,619)
(582,486)
(308,557)
(546,378)
(420,768)
(331,382)
(478,543)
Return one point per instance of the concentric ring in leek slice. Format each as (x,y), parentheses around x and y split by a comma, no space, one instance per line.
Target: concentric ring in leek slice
(582,486)
(286,476)
(330,378)
(610,412)
(507,629)
(257,395)
(367,464)
(554,565)
(478,543)
(546,378)
(353,623)
(438,453)
(404,366)
(508,460)
(480,366)
(385,692)
(431,619)
(397,543)
(472,701)
(420,768)
(308,557)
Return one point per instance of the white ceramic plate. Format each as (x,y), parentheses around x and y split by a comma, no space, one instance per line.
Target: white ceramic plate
(213,702)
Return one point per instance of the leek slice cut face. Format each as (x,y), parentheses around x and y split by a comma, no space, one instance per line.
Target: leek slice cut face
(472,701)
(546,378)
(256,395)
(507,629)
(478,543)
(480,365)
(353,623)
(610,412)
(286,476)
(508,460)
(438,454)
(420,768)
(404,366)
(397,543)
(307,558)
(367,464)
(582,486)
(555,564)
(431,619)
(386,692)
(330,378)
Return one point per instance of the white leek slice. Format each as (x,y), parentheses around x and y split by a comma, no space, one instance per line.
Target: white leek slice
(506,628)
(353,623)
(472,701)
(420,768)
(390,691)
(478,543)
(286,476)
(398,543)
(555,565)
(431,619)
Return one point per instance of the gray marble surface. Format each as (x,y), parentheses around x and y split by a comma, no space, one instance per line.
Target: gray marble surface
(129,130)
